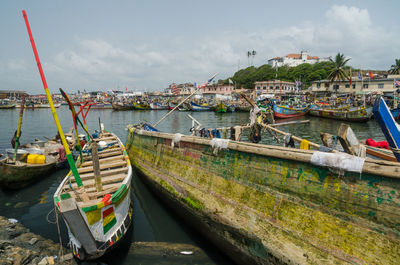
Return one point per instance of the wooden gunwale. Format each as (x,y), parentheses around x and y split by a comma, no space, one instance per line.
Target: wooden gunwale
(371,166)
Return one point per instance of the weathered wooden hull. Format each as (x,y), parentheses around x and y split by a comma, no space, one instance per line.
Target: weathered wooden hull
(283,112)
(141,106)
(16,176)
(117,106)
(97,225)
(7,106)
(265,204)
(356,115)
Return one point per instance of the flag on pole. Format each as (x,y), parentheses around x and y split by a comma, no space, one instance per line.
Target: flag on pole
(396,83)
(126,89)
(207,82)
(175,89)
(371,75)
(230,81)
(359,76)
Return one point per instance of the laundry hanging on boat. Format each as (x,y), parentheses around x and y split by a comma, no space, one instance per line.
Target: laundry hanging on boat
(381,144)
(305,145)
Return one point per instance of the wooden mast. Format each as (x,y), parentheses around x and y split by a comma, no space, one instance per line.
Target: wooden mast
(70,159)
(21,113)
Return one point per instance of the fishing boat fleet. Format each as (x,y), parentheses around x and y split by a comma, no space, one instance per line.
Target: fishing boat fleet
(330,203)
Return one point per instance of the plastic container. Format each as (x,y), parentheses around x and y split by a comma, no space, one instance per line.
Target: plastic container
(21,153)
(36,159)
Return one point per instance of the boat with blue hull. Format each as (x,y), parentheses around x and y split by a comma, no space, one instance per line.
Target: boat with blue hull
(284,111)
(200,107)
(389,127)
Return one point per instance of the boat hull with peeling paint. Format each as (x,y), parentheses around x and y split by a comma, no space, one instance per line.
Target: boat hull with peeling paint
(268,204)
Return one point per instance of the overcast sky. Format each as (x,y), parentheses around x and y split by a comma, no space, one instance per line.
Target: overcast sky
(147,45)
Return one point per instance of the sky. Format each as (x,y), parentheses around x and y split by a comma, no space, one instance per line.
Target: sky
(147,45)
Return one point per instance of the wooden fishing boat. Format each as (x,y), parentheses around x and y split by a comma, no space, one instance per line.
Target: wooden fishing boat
(200,107)
(7,104)
(99,217)
(122,106)
(33,163)
(243,108)
(284,111)
(389,127)
(172,105)
(353,114)
(221,108)
(158,106)
(264,204)
(140,106)
(45,105)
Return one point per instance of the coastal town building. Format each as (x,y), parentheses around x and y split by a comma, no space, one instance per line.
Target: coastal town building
(295,59)
(274,87)
(11,94)
(378,85)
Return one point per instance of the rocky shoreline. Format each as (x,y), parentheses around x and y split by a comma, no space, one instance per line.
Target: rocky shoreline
(18,246)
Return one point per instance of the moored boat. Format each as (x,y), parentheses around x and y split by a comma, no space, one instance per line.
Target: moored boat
(100,216)
(141,106)
(122,106)
(200,107)
(389,127)
(284,111)
(265,204)
(32,163)
(158,106)
(7,104)
(396,113)
(353,114)
(221,108)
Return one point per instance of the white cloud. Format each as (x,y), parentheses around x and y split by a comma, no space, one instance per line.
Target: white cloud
(157,63)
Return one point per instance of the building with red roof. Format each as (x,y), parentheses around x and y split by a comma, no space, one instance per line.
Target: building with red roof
(295,59)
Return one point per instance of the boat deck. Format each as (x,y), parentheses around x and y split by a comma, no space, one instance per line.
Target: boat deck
(113,171)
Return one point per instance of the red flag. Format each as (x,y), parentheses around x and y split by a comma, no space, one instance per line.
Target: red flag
(126,89)
(371,75)
(350,80)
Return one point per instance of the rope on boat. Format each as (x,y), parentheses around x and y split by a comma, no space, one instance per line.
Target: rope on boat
(61,253)
(47,218)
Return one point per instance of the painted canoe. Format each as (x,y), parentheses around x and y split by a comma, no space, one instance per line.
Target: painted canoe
(283,111)
(270,205)
(389,127)
(158,106)
(7,106)
(97,223)
(122,106)
(21,174)
(355,114)
(199,107)
(221,108)
(141,106)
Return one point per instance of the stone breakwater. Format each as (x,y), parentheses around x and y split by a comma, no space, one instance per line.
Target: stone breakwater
(18,246)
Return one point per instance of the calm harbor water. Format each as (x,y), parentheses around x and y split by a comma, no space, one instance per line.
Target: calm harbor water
(152,221)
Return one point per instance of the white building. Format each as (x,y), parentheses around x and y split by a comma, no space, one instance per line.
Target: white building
(295,59)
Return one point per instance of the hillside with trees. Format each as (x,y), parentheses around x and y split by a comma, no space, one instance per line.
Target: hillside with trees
(306,73)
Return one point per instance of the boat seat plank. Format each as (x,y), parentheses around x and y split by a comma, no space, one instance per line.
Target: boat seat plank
(102,166)
(115,153)
(104,181)
(94,195)
(105,138)
(104,160)
(108,150)
(104,173)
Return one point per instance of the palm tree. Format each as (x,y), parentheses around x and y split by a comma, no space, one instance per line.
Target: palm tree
(338,72)
(395,68)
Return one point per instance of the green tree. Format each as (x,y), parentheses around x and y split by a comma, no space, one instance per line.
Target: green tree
(339,68)
(395,68)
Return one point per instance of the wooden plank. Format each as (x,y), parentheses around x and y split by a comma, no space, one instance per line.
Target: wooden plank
(115,153)
(106,138)
(108,150)
(89,183)
(93,196)
(104,173)
(103,160)
(102,166)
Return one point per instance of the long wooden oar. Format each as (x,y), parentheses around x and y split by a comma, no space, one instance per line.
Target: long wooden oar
(70,159)
(74,118)
(21,113)
(183,101)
